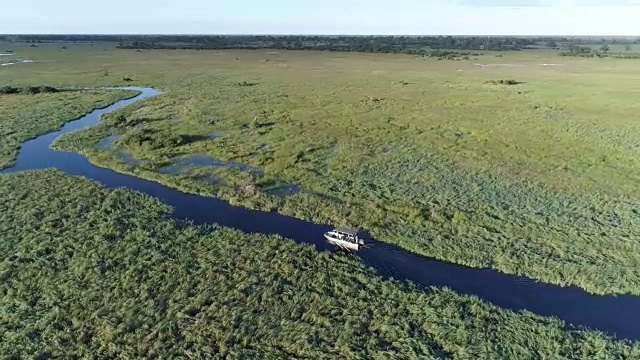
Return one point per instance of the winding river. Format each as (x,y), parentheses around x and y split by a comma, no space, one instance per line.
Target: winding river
(614,315)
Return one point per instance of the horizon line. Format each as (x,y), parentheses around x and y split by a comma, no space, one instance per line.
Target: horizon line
(308,34)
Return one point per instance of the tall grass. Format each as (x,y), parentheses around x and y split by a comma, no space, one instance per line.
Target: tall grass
(537,179)
(89,272)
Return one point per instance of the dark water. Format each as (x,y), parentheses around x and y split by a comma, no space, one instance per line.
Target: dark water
(615,315)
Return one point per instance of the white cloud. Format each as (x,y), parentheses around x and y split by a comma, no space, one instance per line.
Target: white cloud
(508,3)
(550,3)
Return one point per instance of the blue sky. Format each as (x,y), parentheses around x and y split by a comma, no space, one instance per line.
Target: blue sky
(455,17)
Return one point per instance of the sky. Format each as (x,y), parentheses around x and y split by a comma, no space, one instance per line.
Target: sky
(359,17)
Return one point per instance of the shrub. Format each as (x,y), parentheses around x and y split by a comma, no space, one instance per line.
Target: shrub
(122,121)
(503,82)
(450,55)
(9,90)
(48,89)
(32,90)
(152,139)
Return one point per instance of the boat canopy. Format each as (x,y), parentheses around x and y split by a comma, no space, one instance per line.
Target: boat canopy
(346,230)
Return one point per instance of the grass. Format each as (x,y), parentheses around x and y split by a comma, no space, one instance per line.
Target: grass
(90,272)
(25,116)
(538,179)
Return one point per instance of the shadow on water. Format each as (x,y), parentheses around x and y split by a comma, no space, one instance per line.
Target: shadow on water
(108,143)
(285,189)
(610,314)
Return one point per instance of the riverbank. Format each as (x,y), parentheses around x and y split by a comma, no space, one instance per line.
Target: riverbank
(25,116)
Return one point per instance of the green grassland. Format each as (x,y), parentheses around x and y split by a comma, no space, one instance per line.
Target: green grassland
(537,179)
(23,116)
(97,273)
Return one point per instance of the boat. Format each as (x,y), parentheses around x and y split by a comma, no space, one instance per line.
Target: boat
(344,238)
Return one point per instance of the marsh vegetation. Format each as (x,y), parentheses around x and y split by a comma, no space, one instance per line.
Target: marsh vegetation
(91,272)
(527,181)
(536,179)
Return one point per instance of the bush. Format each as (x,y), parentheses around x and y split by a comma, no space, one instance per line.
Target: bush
(32,90)
(503,82)
(450,55)
(122,121)
(9,90)
(152,139)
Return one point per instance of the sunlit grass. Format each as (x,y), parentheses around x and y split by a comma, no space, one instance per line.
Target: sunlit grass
(538,179)
(89,272)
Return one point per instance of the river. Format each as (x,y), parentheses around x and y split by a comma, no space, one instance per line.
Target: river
(611,314)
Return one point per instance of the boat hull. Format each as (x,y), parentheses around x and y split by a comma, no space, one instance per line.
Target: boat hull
(342,243)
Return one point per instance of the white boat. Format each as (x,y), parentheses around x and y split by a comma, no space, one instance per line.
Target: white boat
(344,238)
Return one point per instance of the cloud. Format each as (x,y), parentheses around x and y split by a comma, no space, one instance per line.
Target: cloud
(608,2)
(510,3)
(533,3)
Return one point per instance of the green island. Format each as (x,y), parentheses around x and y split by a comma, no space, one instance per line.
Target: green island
(524,162)
(101,273)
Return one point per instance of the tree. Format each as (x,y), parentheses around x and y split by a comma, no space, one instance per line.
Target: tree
(627,47)
(605,48)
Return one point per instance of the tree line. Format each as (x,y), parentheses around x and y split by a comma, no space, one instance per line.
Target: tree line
(382,44)
(604,51)
(331,43)
(303,42)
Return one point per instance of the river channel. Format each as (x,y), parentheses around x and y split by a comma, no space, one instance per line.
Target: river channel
(614,315)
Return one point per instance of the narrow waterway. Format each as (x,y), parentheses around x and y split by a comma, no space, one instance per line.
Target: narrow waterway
(614,315)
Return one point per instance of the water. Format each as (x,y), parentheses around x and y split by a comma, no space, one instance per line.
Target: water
(614,315)
(108,143)
(16,62)
(285,189)
(503,65)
